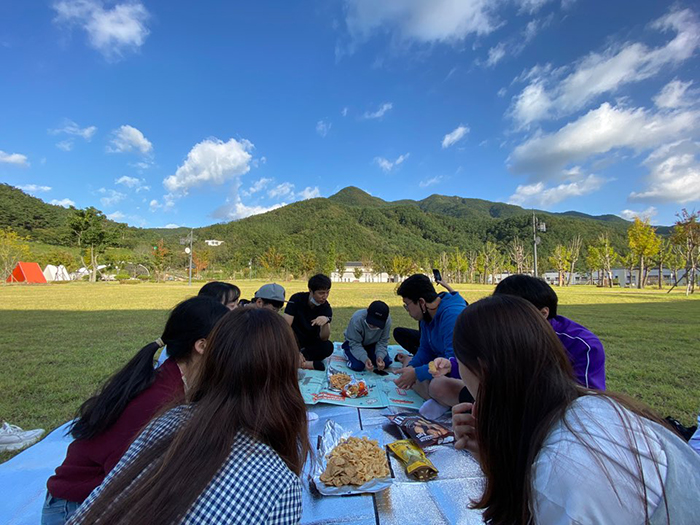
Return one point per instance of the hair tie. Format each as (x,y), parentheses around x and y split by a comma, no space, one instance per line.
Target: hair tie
(160,343)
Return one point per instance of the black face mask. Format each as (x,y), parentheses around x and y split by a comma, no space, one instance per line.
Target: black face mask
(426,315)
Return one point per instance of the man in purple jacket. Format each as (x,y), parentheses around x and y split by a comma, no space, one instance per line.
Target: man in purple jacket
(583,347)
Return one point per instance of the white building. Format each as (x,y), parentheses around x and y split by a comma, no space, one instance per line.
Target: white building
(366,275)
(213,242)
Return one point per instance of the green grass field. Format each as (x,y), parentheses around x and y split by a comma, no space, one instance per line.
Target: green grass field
(59,342)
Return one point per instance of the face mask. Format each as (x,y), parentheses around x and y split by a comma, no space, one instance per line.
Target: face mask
(313,301)
(373,328)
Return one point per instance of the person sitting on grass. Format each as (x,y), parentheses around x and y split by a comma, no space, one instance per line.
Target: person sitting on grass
(226,293)
(108,421)
(309,314)
(437,314)
(233,453)
(270,296)
(551,450)
(367,338)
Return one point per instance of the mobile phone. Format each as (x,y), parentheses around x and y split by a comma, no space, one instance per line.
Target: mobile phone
(381,372)
(436,274)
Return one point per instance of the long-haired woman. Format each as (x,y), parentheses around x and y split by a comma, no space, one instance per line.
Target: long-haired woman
(108,422)
(552,451)
(234,453)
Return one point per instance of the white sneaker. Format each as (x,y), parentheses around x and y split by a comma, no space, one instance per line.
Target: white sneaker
(14,438)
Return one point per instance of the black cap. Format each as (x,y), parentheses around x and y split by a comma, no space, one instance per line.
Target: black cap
(377,314)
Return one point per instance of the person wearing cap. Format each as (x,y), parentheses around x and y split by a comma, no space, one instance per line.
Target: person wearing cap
(270,296)
(367,338)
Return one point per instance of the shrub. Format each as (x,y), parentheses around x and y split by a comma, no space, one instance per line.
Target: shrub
(122,277)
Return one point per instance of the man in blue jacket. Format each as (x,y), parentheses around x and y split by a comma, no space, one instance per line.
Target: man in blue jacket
(437,314)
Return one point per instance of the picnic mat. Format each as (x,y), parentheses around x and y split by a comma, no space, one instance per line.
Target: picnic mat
(23,478)
(382,390)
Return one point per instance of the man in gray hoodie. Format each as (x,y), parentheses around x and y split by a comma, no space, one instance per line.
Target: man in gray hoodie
(367,338)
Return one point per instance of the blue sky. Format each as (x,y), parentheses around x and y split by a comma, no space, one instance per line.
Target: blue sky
(180,113)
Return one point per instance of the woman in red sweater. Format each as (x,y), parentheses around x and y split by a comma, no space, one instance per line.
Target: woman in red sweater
(109,421)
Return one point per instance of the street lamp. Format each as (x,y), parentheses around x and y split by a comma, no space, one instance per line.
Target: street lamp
(536,226)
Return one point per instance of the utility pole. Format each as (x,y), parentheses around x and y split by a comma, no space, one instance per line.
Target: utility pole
(191,234)
(536,226)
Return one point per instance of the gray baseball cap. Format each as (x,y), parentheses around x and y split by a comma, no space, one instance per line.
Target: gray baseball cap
(271,292)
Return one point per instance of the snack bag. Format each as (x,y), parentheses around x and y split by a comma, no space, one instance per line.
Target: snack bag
(337,379)
(417,464)
(355,389)
(423,431)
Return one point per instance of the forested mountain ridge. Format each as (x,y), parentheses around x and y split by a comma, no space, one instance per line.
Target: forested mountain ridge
(350,224)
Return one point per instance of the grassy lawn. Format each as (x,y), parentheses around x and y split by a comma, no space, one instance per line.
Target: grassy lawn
(59,342)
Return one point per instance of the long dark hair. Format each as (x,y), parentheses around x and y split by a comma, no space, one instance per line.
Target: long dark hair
(223,292)
(188,322)
(246,381)
(526,384)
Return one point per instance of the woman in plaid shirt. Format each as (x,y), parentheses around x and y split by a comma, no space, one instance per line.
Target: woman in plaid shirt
(233,453)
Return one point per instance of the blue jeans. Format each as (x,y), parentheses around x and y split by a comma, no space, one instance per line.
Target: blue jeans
(359,366)
(57,511)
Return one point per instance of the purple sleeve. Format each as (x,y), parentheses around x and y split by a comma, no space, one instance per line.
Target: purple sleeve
(455,369)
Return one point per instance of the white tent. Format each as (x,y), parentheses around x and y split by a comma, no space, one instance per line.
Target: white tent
(56,273)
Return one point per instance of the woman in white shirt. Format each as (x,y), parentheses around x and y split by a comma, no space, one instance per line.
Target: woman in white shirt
(552,451)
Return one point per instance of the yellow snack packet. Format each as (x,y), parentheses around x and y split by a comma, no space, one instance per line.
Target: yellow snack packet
(417,464)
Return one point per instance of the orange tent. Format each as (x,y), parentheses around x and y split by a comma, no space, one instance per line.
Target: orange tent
(27,272)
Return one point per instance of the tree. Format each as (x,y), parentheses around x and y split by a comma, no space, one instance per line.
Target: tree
(368,263)
(88,226)
(629,261)
(357,272)
(574,252)
(307,263)
(272,260)
(605,258)
(561,261)
(160,255)
(594,262)
(12,250)
(200,260)
(686,235)
(516,251)
(662,258)
(644,244)
(473,259)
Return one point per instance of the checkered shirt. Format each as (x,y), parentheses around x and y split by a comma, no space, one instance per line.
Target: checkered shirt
(253,486)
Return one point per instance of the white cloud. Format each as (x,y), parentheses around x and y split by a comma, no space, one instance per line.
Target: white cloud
(344,112)
(606,72)
(455,136)
(531,6)
(323,127)
(13,158)
(127,138)
(496,53)
(72,129)
(237,210)
(286,188)
(430,182)
(599,131)
(154,205)
(539,194)
(34,188)
(66,203)
(387,165)
(132,183)
(676,94)
(257,186)
(645,214)
(308,193)
(111,198)
(65,145)
(424,21)
(212,161)
(116,216)
(171,226)
(379,113)
(502,92)
(111,31)
(674,174)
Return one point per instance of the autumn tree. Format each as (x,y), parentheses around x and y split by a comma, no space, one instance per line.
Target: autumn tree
(644,244)
(200,260)
(160,259)
(516,252)
(89,228)
(686,235)
(561,261)
(12,250)
(272,260)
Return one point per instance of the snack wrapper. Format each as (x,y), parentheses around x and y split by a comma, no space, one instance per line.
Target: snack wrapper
(337,379)
(423,431)
(333,435)
(417,464)
(356,388)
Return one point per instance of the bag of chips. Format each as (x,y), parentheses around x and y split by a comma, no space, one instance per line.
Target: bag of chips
(423,431)
(337,379)
(355,389)
(417,464)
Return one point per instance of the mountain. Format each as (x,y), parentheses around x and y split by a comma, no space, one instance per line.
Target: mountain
(350,224)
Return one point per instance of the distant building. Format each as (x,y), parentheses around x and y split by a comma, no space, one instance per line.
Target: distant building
(366,275)
(213,242)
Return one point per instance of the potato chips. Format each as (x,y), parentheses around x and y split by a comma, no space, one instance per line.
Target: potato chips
(339,380)
(432,368)
(355,461)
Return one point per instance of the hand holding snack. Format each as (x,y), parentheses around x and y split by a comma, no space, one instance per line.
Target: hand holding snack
(407,377)
(368,365)
(464,426)
(380,364)
(440,367)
